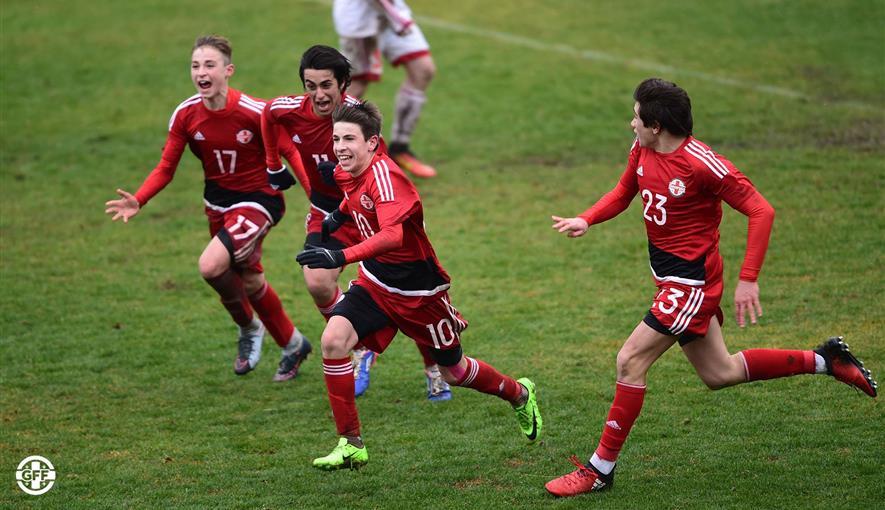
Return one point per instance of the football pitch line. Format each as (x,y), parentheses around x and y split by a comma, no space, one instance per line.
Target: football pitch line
(663,70)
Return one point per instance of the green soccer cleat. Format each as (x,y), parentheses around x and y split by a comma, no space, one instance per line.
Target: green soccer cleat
(528,415)
(345,455)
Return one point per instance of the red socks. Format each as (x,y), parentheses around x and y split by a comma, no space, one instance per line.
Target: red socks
(482,377)
(229,286)
(624,411)
(764,364)
(270,310)
(340,386)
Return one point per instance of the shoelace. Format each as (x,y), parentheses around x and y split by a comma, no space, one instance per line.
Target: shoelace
(437,385)
(582,472)
(245,347)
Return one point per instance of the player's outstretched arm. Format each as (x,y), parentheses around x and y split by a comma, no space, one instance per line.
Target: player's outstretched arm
(124,207)
(573,227)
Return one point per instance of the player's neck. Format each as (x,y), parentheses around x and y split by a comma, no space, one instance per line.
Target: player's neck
(667,143)
(216,102)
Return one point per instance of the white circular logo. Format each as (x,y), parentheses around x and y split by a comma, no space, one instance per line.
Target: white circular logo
(677,188)
(35,475)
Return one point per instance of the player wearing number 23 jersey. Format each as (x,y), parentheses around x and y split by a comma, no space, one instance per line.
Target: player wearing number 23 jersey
(682,194)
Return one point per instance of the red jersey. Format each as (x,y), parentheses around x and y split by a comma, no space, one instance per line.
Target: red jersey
(312,134)
(229,144)
(383,200)
(681,192)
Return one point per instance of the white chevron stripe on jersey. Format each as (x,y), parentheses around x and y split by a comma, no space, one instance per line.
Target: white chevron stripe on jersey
(352,101)
(194,99)
(346,369)
(286,102)
(252,100)
(707,157)
(382,179)
(251,104)
(710,155)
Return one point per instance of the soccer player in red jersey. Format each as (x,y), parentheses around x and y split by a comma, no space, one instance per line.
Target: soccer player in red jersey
(401,286)
(682,184)
(222,127)
(306,120)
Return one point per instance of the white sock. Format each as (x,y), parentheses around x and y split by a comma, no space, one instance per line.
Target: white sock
(603,466)
(409,102)
(820,366)
(294,342)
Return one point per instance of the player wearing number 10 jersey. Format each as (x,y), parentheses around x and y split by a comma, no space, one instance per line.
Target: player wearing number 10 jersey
(682,184)
(401,286)
(306,120)
(222,127)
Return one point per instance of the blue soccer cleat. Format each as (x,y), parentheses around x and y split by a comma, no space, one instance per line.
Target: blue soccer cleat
(363,360)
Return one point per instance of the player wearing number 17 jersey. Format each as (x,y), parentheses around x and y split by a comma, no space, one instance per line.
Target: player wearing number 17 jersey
(222,127)
(401,286)
(682,184)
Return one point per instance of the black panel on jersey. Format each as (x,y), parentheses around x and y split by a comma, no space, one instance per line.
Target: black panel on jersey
(324,202)
(666,264)
(223,197)
(418,275)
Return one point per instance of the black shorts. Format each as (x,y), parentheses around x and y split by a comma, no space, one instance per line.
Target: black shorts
(361,310)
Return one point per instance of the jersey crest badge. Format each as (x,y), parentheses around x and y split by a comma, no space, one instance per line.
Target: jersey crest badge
(296,138)
(244,136)
(676,188)
(639,172)
(199,137)
(366,202)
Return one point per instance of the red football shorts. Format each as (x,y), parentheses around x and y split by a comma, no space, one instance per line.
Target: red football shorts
(242,231)
(428,320)
(685,310)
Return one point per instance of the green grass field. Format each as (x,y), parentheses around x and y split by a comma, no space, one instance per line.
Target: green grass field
(117,358)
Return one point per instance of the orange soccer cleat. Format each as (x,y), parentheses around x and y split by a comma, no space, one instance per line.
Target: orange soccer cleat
(584,479)
(407,161)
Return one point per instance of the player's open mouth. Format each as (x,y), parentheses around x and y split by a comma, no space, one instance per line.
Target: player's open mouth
(204,84)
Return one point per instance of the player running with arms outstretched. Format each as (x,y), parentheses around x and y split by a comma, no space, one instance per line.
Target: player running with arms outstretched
(222,127)
(682,184)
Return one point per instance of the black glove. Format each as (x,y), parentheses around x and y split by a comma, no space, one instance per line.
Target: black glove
(280,179)
(315,257)
(333,222)
(327,170)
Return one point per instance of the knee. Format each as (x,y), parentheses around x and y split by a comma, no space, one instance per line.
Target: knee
(422,73)
(628,365)
(334,344)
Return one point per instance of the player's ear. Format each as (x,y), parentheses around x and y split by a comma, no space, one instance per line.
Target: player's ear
(229,70)
(373,143)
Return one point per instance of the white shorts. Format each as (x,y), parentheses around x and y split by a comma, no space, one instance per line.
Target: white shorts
(365,35)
